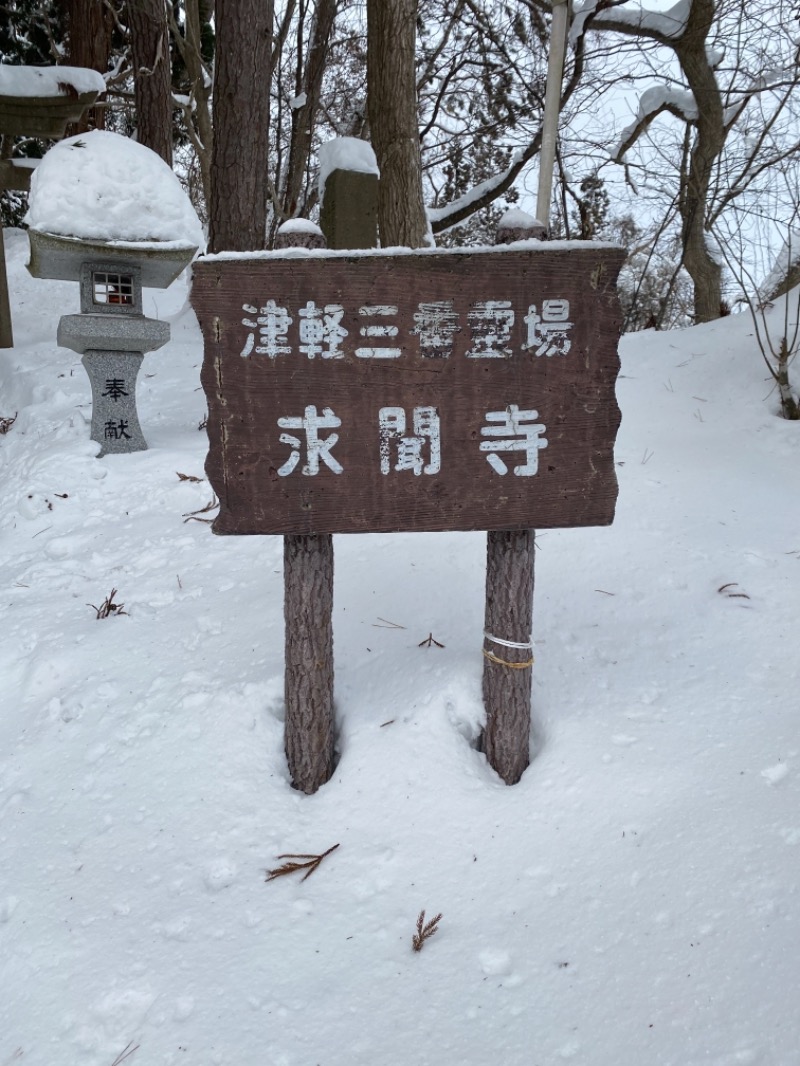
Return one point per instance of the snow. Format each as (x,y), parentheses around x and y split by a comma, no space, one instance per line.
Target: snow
(531,244)
(516,218)
(787,260)
(345,153)
(48,81)
(634,900)
(653,100)
(299,225)
(102,186)
(435,214)
(670,23)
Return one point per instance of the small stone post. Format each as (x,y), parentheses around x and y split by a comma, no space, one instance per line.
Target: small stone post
(349,190)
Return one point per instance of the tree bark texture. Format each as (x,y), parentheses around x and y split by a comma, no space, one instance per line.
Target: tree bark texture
(89,28)
(6,331)
(692,52)
(308,607)
(147,20)
(506,685)
(238,204)
(394,125)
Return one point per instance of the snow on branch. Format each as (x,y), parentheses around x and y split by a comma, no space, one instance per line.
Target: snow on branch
(663,25)
(784,270)
(460,207)
(652,102)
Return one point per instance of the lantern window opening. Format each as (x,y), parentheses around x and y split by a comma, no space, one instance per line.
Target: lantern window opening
(110,288)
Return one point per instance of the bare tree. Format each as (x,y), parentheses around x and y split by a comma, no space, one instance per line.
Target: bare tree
(733,59)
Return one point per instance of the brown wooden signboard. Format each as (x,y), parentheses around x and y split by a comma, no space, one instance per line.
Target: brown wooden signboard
(350,393)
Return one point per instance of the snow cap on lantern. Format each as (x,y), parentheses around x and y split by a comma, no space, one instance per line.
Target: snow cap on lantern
(103,197)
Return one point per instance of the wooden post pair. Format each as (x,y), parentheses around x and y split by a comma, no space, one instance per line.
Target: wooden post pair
(308,591)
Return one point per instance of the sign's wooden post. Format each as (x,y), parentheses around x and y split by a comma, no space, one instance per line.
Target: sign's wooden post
(508,621)
(308,685)
(508,651)
(310,730)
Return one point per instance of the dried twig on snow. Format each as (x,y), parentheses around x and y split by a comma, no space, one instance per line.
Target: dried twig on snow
(108,607)
(292,867)
(425,930)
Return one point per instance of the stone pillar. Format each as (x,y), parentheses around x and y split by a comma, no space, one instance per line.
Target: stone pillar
(115,421)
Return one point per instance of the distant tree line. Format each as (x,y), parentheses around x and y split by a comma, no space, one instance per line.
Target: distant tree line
(238,98)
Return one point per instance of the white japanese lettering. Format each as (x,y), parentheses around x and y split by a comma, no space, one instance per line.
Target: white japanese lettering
(321,330)
(547,333)
(436,324)
(409,449)
(272,324)
(317,448)
(378,330)
(512,435)
(491,322)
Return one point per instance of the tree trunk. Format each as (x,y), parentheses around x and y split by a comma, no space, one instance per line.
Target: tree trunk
(147,20)
(303,117)
(691,50)
(237,210)
(89,28)
(308,607)
(507,670)
(394,126)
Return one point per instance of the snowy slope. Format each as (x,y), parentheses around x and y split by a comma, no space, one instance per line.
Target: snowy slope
(632,902)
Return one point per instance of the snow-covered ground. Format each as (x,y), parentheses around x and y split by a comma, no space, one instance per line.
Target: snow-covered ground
(632,902)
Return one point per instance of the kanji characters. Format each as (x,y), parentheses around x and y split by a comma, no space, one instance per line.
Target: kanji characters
(272,324)
(318,449)
(116,430)
(491,322)
(115,388)
(321,330)
(513,430)
(436,324)
(408,449)
(547,333)
(379,329)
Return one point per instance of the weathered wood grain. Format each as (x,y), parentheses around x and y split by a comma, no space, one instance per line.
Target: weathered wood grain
(573,393)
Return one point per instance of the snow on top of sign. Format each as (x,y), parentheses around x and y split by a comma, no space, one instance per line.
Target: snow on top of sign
(346,153)
(101,186)
(670,24)
(299,225)
(49,81)
(533,245)
(516,218)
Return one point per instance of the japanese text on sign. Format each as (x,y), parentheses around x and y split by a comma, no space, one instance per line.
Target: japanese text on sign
(318,331)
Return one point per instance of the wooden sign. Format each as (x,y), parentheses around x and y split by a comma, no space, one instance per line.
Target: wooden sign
(350,393)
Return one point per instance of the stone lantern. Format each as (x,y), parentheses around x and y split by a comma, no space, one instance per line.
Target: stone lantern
(120,190)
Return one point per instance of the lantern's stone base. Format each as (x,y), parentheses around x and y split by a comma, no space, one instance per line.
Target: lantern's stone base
(115,421)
